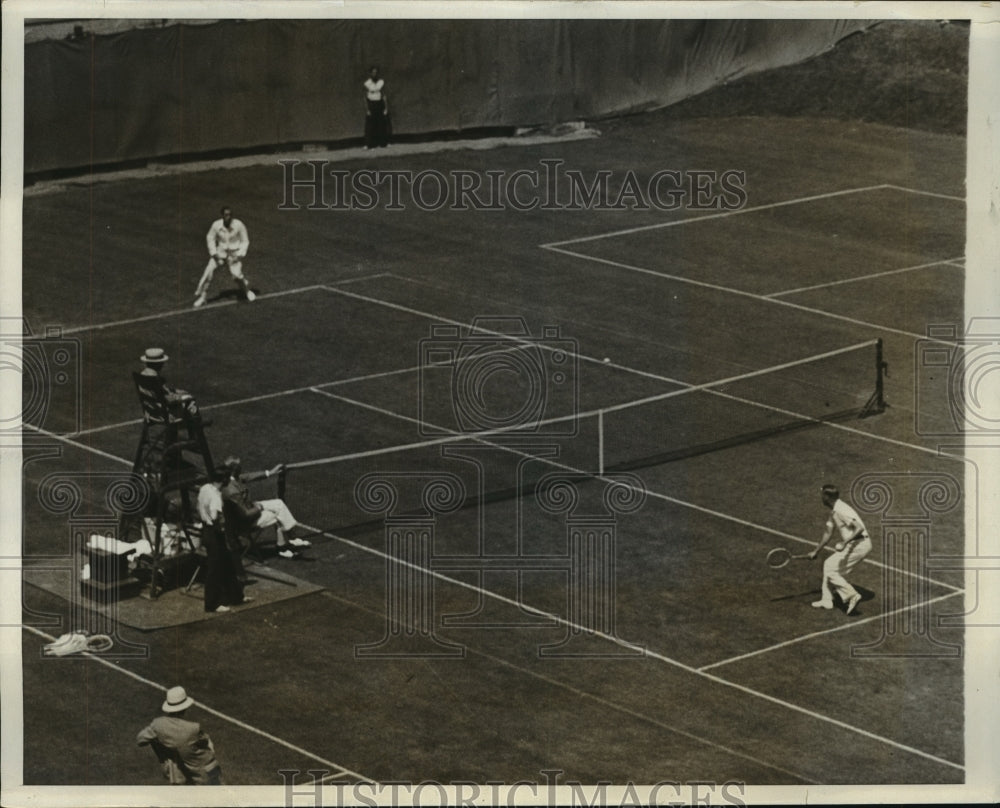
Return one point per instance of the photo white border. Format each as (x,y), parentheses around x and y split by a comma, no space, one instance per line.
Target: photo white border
(982,653)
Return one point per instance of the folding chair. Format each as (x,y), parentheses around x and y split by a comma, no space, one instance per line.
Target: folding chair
(237,530)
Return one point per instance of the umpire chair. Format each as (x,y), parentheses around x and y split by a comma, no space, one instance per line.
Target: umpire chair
(174,458)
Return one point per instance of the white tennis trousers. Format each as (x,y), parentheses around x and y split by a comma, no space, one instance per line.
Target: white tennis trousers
(838,565)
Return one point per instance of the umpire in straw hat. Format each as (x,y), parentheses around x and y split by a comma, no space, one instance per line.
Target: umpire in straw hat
(154,359)
(185,751)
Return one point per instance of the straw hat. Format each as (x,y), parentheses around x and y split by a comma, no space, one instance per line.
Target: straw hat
(177,700)
(154,356)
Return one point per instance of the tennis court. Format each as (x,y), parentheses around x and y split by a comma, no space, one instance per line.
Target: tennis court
(702,375)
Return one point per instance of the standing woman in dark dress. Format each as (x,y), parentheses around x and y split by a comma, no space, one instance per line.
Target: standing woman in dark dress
(223,588)
(376,110)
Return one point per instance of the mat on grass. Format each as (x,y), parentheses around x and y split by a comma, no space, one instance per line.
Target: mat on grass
(174,607)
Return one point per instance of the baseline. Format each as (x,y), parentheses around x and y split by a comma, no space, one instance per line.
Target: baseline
(723,215)
(216,305)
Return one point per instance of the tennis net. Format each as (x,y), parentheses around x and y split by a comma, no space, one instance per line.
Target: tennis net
(829,387)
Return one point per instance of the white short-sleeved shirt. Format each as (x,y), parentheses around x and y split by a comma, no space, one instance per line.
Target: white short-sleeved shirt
(373,89)
(209,503)
(846,520)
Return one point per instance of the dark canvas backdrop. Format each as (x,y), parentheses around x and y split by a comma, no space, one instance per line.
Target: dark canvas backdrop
(189,89)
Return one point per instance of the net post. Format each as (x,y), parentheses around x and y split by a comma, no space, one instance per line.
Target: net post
(876,403)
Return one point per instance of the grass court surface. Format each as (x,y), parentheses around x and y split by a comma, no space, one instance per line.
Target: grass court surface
(721,670)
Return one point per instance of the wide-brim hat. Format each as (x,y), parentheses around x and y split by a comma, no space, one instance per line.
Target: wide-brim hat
(154,356)
(177,700)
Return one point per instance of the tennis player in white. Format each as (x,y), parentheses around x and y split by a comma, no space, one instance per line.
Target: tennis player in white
(853,545)
(228,242)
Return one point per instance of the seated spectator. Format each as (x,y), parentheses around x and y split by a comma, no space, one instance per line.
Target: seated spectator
(262,514)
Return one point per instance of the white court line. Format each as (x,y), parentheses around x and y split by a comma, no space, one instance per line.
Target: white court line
(751,295)
(654,494)
(640,649)
(262,397)
(813,635)
(649,375)
(225,717)
(191,310)
(78,445)
(331,777)
(608,704)
(176,312)
(607,478)
(582,357)
(611,705)
(291,391)
(656,398)
(925,193)
(612,638)
(724,214)
(948,261)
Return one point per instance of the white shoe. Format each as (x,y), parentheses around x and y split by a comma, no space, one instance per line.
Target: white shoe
(818,604)
(852,603)
(300,543)
(251,296)
(286,553)
(222,609)
(199,301)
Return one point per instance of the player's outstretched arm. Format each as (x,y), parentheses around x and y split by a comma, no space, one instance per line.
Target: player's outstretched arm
(827,533)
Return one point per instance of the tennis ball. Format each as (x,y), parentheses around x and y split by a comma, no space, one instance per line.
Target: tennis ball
(607,358)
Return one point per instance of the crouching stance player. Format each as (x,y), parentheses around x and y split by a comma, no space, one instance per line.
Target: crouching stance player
(851,548)
(228,243)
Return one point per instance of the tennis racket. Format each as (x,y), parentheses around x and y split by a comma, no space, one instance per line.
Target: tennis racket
(779,557)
